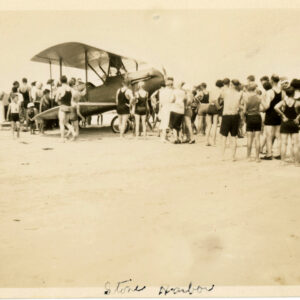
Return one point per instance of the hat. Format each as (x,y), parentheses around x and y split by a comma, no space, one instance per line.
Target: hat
(30,105)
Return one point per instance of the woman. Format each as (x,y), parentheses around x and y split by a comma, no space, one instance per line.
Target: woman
(75,108)
(124,97)
(252,107)
(188,114)
(63,98)
(141,108)
(295,83)
(212,112)
(289,125)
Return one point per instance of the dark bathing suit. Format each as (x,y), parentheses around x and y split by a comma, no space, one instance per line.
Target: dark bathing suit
(253,117)
(15,117)
(205,98)
(272,118)
(26,99)
(289,126)
(140,106)
(122,108)
(66,99)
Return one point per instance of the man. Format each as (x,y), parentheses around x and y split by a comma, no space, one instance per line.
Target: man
(272,119)
(166,98)
(230,121)
(25,90)
(177,112)
(45,104)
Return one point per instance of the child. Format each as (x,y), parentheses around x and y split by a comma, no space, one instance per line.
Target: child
(13,114)
(289,125)
(31,112)
(252,107)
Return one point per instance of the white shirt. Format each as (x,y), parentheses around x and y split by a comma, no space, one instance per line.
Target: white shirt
(178,105)
(166,97)
(214,95)
(14,107)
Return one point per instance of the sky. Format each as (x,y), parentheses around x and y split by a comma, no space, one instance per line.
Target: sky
(194,45)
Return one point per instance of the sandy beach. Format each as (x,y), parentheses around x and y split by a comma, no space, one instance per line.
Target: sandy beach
(78,214)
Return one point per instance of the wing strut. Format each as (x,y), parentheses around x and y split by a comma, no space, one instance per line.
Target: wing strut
(102,70)
(60,67)
(86,75)
(96,72)
(50,65)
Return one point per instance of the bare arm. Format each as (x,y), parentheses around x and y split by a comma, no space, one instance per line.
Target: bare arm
(79,113)
(117,94)
(153,98)
(278,107)
(267,100)
(8,112)
(57,97)
(244,104)
(41,104)
(129,95)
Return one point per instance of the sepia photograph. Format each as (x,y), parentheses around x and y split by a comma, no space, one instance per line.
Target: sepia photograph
(149,149)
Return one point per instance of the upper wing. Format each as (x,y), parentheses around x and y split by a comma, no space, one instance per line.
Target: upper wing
(72,54)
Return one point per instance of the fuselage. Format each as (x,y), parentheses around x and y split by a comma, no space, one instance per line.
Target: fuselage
(103,98)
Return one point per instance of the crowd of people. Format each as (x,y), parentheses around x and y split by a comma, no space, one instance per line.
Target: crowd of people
(267,114)
(264,113)
(25,101)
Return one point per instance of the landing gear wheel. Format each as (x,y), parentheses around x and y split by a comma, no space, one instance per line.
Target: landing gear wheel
(115,125)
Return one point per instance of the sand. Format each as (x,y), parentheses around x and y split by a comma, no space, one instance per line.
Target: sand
(81,213)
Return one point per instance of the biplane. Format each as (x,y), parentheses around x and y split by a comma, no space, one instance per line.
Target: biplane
(109,68)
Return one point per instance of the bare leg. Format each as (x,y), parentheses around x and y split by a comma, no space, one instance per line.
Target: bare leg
(224,140)
(208,128)
(137,125)
(163,135)
(12,126)
(269,136)
(121,125)
(263,140)
(71,129)
(61,117)
(257,145)
(214,128)
(249,143)
(144,125)
(284,140)
(277,136)
(18,126)
(234,146)
(200,123)
(298,150)
(294,145)
(76,127)
(189,128)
